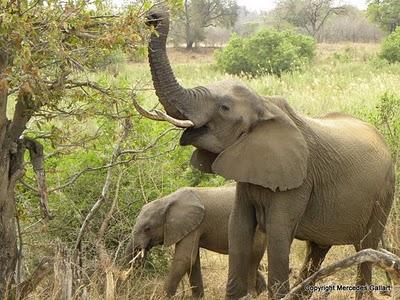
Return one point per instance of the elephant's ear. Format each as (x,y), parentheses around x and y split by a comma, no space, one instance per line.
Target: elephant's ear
(273,154)
(185,213)
(202,160)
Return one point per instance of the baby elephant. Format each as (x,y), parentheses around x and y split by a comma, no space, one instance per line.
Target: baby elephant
(191,218)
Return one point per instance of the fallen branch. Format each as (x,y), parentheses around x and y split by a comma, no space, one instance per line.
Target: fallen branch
(382,258)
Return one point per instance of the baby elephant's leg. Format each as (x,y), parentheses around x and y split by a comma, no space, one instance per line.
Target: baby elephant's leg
(186,252)
(195,279)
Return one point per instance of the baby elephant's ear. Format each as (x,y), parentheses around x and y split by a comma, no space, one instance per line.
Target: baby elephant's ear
(202,160)
(185,213)
(273,154)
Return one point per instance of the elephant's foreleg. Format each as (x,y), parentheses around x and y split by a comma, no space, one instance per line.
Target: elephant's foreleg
(242,225)
(312,263)
(195,279)
(257,282)
(185,256)
(278,266)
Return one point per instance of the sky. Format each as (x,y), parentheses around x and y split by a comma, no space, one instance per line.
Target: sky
(258,5)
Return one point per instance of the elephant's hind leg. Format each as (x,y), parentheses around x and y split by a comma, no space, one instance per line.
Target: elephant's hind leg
(371,239)
(312,263)
(195,279)
(364,270)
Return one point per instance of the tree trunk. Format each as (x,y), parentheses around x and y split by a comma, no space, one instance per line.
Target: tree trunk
(189,45)
(8,239)
(9,172)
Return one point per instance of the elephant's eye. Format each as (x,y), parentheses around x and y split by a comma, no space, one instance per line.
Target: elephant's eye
(224,107)
(146,229)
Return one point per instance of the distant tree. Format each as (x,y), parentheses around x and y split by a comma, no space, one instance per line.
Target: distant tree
(309,15)
(386,13)
(190,24)
(248,22)
(352,25)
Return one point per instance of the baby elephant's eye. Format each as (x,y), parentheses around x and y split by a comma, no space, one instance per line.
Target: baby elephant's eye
(146,229)
(225,107)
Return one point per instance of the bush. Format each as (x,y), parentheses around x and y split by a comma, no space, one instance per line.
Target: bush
(269,51)
(391,47)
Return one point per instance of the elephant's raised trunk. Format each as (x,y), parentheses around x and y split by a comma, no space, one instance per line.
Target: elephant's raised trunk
(179,103)
(167,87)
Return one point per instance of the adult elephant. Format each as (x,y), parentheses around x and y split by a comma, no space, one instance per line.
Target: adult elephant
(328,181)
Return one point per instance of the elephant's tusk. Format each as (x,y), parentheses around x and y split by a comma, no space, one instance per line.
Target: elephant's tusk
(173,121)
(160,116)
(139,255)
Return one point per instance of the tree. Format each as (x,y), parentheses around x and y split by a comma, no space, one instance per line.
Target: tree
(386,13)
(352,25)
(309,15)
(46,49)
(197,15)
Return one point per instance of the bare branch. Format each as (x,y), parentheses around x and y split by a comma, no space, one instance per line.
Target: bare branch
(383,259)
(161,116)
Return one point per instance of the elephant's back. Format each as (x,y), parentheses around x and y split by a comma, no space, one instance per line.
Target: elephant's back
(351,169)
(218,203)
(352,139)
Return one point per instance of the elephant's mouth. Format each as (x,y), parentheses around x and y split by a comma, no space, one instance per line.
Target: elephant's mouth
(190,135)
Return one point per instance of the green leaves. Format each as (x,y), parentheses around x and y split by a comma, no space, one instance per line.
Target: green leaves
(267,52)
(391,47)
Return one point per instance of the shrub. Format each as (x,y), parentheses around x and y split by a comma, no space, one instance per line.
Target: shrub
(391,47)
(269,51)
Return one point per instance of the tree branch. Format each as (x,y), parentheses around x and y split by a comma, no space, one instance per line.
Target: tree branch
(24,109)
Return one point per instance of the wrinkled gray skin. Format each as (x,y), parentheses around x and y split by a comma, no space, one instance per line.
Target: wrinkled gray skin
(328,181)
(191,218)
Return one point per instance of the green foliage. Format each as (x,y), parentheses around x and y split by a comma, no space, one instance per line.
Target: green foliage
(388,110)
(386,13)
(267,52)
(391,47)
